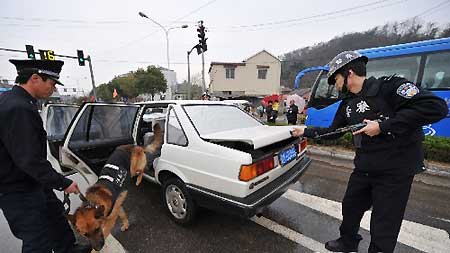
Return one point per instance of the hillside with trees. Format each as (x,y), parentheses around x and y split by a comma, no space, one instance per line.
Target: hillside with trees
(389,34)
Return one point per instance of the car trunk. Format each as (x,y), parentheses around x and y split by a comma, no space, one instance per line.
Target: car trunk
(257,141)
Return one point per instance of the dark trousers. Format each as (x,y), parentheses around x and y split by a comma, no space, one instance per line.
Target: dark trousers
(388,196)
(37,218)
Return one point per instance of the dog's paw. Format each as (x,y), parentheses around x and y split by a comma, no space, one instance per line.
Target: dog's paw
(124,227)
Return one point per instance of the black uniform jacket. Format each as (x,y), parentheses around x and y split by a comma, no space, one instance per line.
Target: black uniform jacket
(405,108)
(115,175)
(23,146)
(292,112)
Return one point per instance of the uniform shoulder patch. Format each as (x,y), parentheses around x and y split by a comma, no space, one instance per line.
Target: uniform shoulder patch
(407,90)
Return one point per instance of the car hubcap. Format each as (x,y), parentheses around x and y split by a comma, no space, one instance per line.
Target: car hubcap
(176,201)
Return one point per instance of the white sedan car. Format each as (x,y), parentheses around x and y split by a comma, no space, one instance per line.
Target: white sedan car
(214,154)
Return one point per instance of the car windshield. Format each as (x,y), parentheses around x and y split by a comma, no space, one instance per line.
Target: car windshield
(209,119)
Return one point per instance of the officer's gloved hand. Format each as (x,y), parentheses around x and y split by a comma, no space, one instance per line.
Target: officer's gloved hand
(298,131)
(371,129)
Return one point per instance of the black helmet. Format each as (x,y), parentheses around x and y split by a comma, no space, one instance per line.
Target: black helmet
(340,61)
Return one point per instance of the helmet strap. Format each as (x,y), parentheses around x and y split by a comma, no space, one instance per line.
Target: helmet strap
(345,90)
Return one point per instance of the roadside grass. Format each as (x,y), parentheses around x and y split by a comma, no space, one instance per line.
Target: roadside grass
(435,148)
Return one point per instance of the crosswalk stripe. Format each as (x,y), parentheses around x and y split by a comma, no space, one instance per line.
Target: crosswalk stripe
(290,234)
(416,235)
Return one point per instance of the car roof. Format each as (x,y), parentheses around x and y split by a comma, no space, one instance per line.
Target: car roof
(184,102)
(235,101)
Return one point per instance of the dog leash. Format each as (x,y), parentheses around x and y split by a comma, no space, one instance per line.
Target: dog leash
(66,202)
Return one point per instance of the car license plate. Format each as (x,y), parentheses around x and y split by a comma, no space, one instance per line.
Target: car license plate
(287,155)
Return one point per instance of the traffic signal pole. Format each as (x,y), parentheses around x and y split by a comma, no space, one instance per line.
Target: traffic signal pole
(202,44)
(189,76)
(63,56)
(92,77)
(203,72)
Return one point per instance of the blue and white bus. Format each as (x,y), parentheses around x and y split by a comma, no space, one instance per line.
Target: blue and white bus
(2,89)
(426,63)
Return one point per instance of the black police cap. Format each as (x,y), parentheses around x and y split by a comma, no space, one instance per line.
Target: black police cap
(51,69)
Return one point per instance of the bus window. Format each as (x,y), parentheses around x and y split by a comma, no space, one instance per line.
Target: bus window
(436,74)
(406,67)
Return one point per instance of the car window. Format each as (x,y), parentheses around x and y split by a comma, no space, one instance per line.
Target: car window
(58,119)
(107,122)
(175,134)
(209,119)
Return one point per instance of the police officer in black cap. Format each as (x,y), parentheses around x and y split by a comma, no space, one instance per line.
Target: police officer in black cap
(27,179)
(388,149)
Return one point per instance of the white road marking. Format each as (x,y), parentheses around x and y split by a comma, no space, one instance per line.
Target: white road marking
(416,235)
(290,234)
(441,219)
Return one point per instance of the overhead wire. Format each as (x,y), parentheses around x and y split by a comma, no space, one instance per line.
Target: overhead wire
(150,34)
(433,9)
(313,19)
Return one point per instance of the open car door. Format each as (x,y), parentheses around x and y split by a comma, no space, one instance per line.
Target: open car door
(57,118)
(95,132)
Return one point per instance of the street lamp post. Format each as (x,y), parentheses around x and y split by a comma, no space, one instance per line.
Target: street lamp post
(166,31)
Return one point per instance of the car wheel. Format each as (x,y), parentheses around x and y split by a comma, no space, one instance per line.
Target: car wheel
(179,203)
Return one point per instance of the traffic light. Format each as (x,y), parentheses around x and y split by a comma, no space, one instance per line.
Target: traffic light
(201,35)
(30,52)
(81,60)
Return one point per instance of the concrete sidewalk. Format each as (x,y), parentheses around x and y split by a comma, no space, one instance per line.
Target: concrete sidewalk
(436,173)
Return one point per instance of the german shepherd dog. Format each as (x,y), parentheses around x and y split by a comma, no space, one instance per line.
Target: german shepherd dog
(97,215)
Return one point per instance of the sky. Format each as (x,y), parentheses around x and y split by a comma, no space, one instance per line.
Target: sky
(119,40)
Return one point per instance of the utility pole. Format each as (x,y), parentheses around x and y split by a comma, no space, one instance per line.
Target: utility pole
(189,88)
(189,77)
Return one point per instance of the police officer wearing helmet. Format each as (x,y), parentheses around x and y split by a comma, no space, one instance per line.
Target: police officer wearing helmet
(388,149)
(27,179)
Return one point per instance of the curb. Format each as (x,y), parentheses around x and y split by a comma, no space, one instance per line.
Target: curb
(432,169)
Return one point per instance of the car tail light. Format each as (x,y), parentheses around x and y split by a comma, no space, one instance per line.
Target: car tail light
(302,144)
(248,172)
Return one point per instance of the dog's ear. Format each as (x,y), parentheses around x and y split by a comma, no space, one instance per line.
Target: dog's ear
(138,161)
(99,211)
(72,218)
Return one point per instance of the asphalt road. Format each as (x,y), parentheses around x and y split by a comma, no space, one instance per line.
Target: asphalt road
(152,230)
(300,221)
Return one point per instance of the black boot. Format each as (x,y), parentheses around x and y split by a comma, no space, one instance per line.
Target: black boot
(339,245)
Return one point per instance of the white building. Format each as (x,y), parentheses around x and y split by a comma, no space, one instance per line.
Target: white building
(256,76)
(171,78)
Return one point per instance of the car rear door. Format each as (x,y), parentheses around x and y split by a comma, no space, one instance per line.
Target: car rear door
(94,134)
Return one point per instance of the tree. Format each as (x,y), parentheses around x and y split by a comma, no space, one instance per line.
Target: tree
(104,92)
(196,89)
(150,81)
